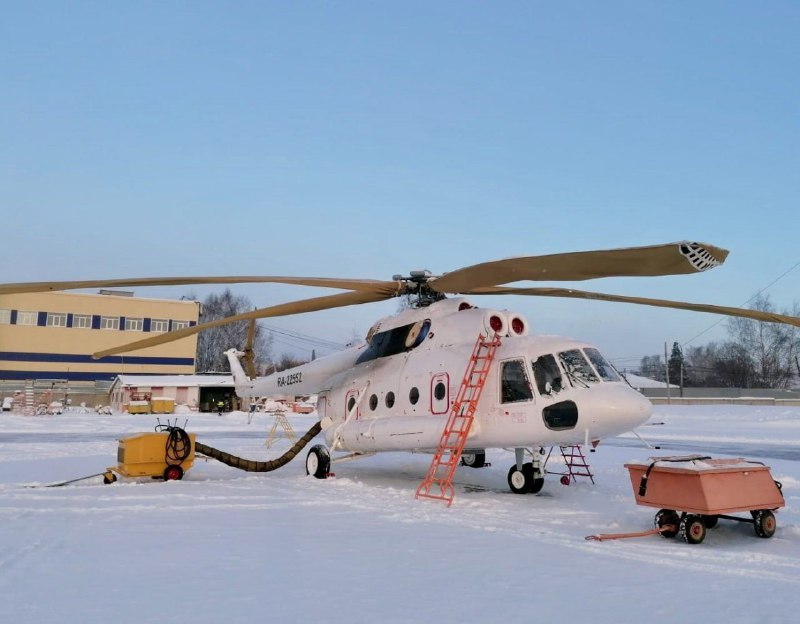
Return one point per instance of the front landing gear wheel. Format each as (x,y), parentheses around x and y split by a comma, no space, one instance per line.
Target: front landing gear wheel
(692,529)
(318,462)
(173,473)
(764,523)
(522,481)
(667,517)
(473,460)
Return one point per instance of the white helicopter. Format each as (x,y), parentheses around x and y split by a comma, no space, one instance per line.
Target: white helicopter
(401,389)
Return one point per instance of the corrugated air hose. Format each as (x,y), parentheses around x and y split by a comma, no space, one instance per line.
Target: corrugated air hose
(259,466)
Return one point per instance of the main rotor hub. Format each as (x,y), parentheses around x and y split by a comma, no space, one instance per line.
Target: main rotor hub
(419,293)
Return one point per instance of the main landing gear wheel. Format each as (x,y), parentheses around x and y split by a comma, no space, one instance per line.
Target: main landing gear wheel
(173,473)
(667,517)
(473,460)
(524,481)
(764,522)
(692,529)
(318,462)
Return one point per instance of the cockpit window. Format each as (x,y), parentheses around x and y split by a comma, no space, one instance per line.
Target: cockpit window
(601,365)
(514,382)
(579,373)
(547,375)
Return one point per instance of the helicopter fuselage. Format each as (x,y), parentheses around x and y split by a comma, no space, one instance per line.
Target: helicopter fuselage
(395,392)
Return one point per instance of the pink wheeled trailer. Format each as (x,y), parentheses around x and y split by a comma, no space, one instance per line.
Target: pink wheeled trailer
(693,492)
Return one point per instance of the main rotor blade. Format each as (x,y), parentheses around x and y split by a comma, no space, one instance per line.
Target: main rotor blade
(283,309)
(249,354)
(359,285)
(668,259)
(756,315)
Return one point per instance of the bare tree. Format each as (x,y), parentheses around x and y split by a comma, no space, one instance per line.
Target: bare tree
(734,367)
(700,365)
(652,366)
(770,346)
(212,343)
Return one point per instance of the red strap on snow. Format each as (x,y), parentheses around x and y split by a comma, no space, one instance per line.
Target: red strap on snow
(602,537)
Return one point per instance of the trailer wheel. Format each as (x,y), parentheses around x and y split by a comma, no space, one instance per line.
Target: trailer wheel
(318,462)
(764,523)
(521,481)
(710,521)
(173,473)
(473,460)
(109,478)
(692,529)
(665,517)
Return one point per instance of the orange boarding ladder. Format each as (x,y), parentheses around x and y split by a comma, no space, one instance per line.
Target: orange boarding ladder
(438,482)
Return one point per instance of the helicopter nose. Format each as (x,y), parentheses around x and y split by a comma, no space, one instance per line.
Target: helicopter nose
(617,409)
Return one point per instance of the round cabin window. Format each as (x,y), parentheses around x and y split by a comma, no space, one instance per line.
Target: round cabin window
(439,391)
(390,400)
(413,396)
(373,402)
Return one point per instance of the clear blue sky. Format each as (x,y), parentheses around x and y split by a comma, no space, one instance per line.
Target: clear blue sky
(371,138)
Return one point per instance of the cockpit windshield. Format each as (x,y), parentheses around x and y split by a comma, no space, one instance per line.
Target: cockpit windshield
(601,365)
(578,370)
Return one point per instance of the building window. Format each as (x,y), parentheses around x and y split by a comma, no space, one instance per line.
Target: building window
(82,321)
(176,325)
(134,324)
(5,317)
(109,322)
(159,325)
(27,318)
(56,319)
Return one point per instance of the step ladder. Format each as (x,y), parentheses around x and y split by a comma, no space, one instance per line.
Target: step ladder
(438,482)
(288,432)
(574,462)
(30,400)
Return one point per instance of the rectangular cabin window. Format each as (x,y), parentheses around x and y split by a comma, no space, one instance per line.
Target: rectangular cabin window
(82,321)
(176,325)
(547,375)
(579,373)
(159,326)
(5,317)
(601,365)
(514,383)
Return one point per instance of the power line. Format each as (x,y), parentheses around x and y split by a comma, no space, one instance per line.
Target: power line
(772,283)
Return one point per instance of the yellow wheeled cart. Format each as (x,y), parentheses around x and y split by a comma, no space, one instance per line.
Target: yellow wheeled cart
(167,454)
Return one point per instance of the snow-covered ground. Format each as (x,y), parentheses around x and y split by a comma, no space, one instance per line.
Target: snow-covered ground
(223,545)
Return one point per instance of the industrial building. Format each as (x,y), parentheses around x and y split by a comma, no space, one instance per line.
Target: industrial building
(200,392)
(50,337)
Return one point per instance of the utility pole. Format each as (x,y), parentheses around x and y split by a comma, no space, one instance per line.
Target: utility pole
(666,371)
